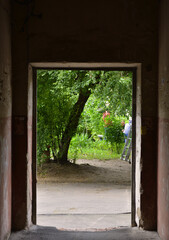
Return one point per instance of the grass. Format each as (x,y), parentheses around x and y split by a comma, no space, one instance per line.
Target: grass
(82,147)
(92,150)
(90,153)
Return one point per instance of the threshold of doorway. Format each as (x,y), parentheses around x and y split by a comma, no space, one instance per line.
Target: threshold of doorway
(85,222)
(52,233)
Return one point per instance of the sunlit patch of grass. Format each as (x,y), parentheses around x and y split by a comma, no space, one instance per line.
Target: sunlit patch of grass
(82,147)
(93,153)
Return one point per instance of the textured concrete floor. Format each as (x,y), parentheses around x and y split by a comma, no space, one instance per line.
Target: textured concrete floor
(83,212)
(82,222)
(81,206)
(51,233)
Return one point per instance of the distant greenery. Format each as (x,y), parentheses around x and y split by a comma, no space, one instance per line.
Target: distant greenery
(82,147)
(114,134)
(70,106)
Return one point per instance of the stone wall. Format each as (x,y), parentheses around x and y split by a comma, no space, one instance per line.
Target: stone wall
(163,142)
(5,121)
(72,31)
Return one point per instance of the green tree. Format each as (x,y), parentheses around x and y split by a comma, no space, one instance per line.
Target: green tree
(62,96)
(113,93)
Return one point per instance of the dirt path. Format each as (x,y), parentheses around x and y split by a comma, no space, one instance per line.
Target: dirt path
(87,171)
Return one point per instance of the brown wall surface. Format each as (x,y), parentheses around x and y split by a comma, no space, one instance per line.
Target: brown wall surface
(90,31)
(163,144)
(5,121)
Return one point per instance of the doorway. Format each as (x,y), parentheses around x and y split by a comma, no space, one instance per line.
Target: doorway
(99,67)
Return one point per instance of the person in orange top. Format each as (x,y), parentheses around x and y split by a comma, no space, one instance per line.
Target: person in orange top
(106,119)
(107,123)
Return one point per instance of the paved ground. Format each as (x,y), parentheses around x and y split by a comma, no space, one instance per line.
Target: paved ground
(81,206)
(51,233)
(93,210)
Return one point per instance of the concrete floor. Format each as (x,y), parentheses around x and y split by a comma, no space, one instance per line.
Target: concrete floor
(83,206)
(51,233)
(83,212)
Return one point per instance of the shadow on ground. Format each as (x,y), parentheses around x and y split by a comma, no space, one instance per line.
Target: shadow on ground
(51,233)
(90,171)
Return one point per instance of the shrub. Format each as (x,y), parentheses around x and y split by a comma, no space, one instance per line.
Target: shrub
(114,134)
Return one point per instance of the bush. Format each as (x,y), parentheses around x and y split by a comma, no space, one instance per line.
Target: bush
(78,143)
(114,134)
(82,146)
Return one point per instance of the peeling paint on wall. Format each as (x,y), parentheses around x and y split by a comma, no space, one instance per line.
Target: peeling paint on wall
(5,176)
(163,179)
(1,88)
(163,128)
(5,121)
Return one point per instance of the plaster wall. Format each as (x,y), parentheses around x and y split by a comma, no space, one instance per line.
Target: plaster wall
(58,31)
(5,120)
(163,144)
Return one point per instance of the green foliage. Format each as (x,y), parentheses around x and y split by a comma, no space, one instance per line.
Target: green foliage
(86,148)
(114,133)
(54,106)
(58,92)
(91,120)
(115,92)
(78,143)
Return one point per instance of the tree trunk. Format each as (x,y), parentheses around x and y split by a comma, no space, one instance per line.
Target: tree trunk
(72,125)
